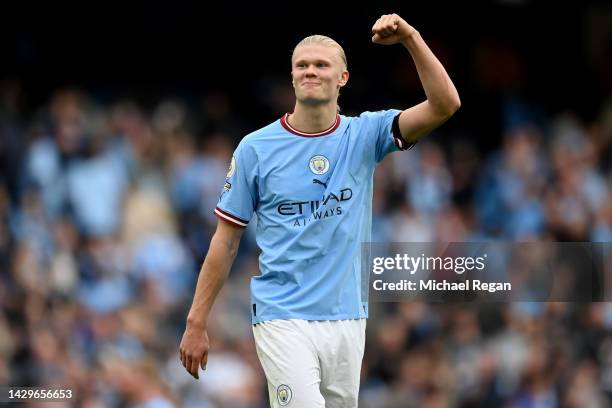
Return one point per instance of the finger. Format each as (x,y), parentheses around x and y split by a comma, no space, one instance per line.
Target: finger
(382,22)
(193,369)
(379,39)
(187,364)
(381,31)
(390,22)
(376,26)
(204,360)
(379,27)
(385,32)
(184,358)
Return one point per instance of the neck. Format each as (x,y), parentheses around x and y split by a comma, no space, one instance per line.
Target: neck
(313,118)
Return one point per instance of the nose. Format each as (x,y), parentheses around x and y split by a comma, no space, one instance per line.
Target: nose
(311,71)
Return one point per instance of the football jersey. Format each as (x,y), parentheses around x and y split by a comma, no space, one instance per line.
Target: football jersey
(312,194)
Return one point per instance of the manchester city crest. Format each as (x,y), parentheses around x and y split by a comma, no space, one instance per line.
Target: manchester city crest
(283,395)
(319,164)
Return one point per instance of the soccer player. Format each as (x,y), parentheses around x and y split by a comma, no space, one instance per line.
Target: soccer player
(308,177)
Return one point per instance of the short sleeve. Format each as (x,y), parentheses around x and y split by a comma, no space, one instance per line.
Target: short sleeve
(239,197)
(383,128)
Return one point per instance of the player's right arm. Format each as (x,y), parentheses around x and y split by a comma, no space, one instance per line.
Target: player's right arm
(223,248)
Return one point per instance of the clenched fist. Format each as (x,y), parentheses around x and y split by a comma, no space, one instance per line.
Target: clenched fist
(391,29)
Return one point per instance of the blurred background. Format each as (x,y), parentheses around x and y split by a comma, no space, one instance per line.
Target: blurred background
(117,123)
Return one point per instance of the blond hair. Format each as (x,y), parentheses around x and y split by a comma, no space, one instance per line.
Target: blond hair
(323,40)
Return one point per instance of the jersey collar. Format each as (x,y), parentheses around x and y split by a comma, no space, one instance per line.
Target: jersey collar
(293,130)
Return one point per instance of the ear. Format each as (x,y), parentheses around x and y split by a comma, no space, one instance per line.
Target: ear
(343,78)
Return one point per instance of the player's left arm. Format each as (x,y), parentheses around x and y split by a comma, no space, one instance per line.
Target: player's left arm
(442,96)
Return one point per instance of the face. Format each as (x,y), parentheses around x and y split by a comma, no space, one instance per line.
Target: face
(318,73)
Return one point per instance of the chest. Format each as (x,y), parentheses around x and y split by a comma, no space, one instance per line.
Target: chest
(307,170)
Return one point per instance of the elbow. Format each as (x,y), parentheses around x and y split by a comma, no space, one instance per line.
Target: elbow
(451,107)
(444,108)
(456,104)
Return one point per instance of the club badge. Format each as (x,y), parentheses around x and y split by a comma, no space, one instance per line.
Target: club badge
(319,164)
(283,395)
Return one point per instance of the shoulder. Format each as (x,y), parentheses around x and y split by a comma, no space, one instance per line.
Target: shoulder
(263,133)
(253,142)
(260,135)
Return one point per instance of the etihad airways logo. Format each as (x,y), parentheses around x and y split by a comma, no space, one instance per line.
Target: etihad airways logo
(308,211)
(301,207)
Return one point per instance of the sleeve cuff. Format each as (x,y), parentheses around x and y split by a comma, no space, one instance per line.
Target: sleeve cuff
(232,219)
(397,135)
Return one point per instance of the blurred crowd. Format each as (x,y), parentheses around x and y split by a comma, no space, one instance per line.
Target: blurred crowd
(106,213)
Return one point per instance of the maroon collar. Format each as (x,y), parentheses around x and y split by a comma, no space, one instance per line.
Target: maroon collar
(293,130)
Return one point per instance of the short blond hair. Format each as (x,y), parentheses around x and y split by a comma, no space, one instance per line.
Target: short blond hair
(323,40)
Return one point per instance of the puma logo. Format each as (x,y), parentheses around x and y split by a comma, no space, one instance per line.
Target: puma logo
(315,181)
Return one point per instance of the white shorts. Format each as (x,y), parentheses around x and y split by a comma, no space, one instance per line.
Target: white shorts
(311,364)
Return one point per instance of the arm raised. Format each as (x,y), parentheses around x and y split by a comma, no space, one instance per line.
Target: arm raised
(442,96)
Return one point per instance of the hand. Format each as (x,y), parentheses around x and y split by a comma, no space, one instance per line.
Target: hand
(194,350)
(391,29)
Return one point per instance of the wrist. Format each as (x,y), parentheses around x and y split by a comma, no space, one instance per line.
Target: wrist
(196,322)
(410,38)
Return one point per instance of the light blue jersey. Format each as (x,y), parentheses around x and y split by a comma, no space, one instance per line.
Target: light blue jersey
(312,194)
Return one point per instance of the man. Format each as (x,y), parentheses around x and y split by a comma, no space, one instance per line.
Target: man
(308,176)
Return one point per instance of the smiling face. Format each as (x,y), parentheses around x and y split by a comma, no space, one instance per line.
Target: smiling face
(318,72)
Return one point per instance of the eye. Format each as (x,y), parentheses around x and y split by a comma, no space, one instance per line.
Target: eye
(321,65)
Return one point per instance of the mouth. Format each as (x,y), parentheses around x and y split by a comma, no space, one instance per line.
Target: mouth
(311,83)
